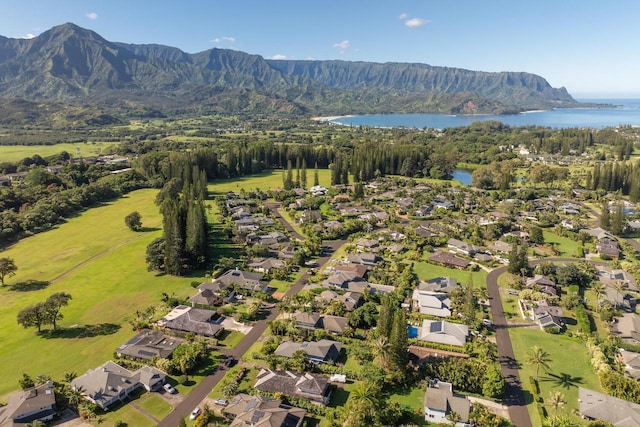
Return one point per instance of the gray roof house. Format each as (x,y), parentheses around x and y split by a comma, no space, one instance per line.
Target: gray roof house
(264,265)
(110,383)
(243,279)
(335,324)
(262,411)
(351,300)
(26,406)
(631,361)
(432,303)
(460,247)
(307,386)
(189,319)
(148,344)
(443,332)
(440,401)
(599,406)
(364,258)
(317,352)
(627,328)
(439,284)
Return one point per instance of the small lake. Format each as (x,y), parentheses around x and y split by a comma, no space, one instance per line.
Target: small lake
(462,175)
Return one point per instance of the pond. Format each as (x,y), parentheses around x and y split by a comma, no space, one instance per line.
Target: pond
(462,175)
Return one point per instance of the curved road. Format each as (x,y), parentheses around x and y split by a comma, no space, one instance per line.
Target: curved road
(199,393)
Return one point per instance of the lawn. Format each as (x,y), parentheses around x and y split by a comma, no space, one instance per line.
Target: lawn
(426,271)
(128,415)
(570,368)
(15,153)
(230,339)
(155,405)
(100,262)
(264,181)
(566,247)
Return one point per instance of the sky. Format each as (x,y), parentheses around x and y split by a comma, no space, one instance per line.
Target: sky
(590,47)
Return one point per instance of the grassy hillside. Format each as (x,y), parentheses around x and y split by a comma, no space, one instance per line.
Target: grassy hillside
(100,262)
(15,153)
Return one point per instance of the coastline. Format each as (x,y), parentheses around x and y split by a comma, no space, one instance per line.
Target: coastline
(329,118)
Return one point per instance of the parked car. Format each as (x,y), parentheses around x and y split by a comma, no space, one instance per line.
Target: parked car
(169,388)
(231,361)
(220,401)
(195,413)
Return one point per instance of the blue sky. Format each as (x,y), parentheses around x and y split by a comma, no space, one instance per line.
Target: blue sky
(591,47)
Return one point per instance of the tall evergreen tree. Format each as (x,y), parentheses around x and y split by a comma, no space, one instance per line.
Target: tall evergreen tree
(398,346)
(605,215)
(303,174)
(316,178)
(385,319)
(618,220)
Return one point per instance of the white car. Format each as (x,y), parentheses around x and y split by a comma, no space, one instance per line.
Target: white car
(221,401)
(195,413)
(169,389)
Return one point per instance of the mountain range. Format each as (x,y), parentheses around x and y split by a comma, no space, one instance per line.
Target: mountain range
(74,65)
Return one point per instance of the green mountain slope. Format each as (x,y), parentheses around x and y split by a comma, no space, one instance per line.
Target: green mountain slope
(69,63)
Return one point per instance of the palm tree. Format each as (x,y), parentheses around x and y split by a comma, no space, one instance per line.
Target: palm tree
(74,396)
(36,423)
(365,400)
(619,286)
(599,290)
(381,351)
(556,400)
(70,376)
(539,358)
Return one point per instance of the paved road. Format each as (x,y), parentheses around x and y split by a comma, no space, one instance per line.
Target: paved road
(274,206)
(199,393)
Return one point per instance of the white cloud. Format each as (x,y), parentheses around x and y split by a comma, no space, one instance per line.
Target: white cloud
(342,45)
(224,39)
(277,57)
(28,36)
(403,16)
(310,58)
(415,22)
(92,15)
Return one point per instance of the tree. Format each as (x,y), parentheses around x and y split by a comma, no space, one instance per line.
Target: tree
(363,403)
(619,286)
(26,381)
(33,315)
(556,400)
(598,290)
(155,255)
(398,345)
(618,220)
(230,389)
(7,269)
(495,383)
(316,179)
(539,358)
(74,396)
(381,351)
(134,221)
(54,304)
(536,236)
(605,215)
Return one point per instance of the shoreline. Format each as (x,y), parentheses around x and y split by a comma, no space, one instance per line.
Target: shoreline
(329,118)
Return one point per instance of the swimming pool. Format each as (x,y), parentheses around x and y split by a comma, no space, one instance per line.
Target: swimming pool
(413,332)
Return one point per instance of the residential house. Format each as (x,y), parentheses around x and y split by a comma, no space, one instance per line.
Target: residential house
(318,190)
(424,232)
(287,252)
(264,265)
(442,204)
(364,258)
(568,208)
(241,279)
(311,387)
(196,320)
(206,298)
(424,210)
(608,247)
(111,383)
(432,303)
(368,245)
(310,216)
(462,248)
(631,361)
(622,300)
(261,411)
(27,406)
(439,284)
(500,247)
(440,401)
(599,406)
(351,300)
(579,193)
(316,352)
(599,233)
(148,344)
(627,328)
(443,332)
(548,315)
(313,321)
(610,276)
(341,279)
(448,260)
(540,280)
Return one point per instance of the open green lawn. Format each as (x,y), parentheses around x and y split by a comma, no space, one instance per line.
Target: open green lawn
(15,153)
(128,415)
(100,262)
(426,271)
(566,247)
(155,405)
(570,367)
(265,181)
(230,339)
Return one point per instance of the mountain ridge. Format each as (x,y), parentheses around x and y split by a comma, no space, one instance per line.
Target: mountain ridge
(71,64)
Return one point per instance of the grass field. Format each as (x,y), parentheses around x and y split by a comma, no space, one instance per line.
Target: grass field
(100,262)
(15,153)
(570,368)
(566,247)
(155,405)
(426,271)
(264,181)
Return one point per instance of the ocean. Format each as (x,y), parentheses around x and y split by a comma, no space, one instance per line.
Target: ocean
(625,112)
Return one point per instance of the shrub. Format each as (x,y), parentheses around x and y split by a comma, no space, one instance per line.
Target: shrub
(182,379)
